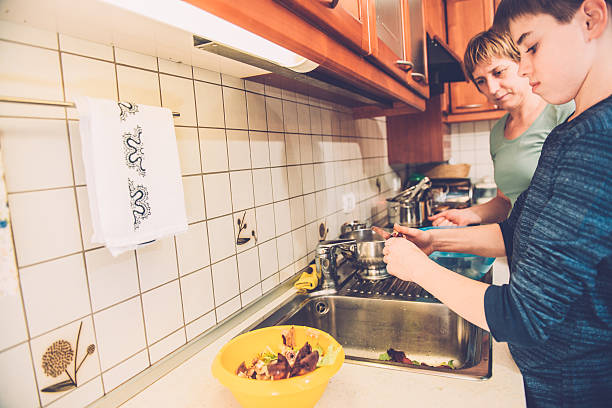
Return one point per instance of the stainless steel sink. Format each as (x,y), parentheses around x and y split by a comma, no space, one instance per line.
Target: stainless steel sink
(427,331)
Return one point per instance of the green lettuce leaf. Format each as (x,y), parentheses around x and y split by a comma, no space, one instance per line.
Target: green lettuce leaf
(384,357)
(329,357)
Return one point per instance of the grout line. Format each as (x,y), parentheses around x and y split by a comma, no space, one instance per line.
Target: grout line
(178,278)
(6,40)
(139,295)
(80,226)
(232,205)
(64,395)
(230,171)
(212,283)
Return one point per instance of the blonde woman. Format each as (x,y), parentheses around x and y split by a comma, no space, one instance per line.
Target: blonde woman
(491,61)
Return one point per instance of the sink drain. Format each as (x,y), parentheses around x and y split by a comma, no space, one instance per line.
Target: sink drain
(321,308)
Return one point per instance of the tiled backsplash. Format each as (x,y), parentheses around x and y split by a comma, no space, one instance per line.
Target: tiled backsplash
(278,161)
(470,144)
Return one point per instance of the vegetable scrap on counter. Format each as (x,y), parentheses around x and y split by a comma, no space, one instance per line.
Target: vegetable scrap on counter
(400,357)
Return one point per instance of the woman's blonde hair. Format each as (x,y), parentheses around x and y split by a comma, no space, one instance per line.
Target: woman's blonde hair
(485,46)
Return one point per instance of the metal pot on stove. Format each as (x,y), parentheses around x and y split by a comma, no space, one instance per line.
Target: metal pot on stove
(368,255)
(412,207)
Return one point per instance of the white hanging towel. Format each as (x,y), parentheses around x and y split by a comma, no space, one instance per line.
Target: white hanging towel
(132,172)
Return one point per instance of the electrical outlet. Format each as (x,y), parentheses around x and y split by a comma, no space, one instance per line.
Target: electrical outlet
(348,202)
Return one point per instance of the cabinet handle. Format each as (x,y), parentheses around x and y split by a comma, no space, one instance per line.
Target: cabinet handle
(333,3)
(405,65)
(472,106)
(418,77)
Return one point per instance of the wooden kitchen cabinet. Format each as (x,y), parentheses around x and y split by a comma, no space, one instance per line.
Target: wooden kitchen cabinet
(435,18)
(347,20)
(419,138)
(395,44)
(466,18)
(305,29)
(378,29)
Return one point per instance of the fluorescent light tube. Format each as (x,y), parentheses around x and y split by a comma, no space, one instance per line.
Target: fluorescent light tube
(189,18)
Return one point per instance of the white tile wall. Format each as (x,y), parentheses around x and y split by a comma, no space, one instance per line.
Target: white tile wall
(197,293)
(111,280)
(23,391)
(279,159)
(470,144)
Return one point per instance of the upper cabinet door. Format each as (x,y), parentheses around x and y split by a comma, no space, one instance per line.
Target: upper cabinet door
(346,20)
(435,18)
(398,41)
(467,18)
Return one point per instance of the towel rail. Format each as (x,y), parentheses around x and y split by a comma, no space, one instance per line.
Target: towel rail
(29,101)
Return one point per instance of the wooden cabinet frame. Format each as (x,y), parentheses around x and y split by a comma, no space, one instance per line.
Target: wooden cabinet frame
(383,56)
(354,32)
(464,97)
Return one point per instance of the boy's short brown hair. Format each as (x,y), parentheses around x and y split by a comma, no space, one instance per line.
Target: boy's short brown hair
(487,45)
(562,10)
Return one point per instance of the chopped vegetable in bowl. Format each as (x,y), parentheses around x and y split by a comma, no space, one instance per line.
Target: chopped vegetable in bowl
(290,361)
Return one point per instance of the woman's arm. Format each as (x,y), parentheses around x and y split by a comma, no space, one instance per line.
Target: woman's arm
(483,240)
(495,210)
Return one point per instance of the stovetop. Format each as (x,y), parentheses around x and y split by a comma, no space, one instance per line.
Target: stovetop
(390,288)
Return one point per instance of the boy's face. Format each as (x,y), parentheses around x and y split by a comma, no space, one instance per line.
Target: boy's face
(554,56)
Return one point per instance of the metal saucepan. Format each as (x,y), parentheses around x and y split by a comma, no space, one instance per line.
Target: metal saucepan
(413,213)
(369,253)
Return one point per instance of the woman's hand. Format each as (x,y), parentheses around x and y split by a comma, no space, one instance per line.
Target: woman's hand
(455,217)
(422,239)
(404,258)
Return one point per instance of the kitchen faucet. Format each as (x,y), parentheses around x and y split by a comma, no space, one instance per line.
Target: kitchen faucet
(325,258)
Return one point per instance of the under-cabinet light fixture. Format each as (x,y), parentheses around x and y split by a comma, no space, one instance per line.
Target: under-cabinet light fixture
(187,17)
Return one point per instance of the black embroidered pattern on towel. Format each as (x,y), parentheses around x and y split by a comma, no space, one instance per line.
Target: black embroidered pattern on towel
(127,107)
(139,202)
(133,148)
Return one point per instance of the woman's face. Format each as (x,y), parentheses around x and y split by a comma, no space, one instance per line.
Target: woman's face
(554,56)
(500,82)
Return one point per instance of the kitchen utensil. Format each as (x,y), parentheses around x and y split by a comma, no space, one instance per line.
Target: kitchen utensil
(352,226)
(295,392)
(368,255)
(411,207)
(412,213)
(422,185)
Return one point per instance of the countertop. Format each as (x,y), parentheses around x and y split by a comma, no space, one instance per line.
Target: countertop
(191,384)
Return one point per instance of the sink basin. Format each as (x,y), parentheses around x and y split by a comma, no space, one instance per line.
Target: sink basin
(428,332)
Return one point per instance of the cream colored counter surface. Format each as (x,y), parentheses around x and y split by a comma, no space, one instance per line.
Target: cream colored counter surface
(192,384)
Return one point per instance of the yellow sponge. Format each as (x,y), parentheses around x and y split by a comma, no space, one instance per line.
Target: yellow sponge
(309,279)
